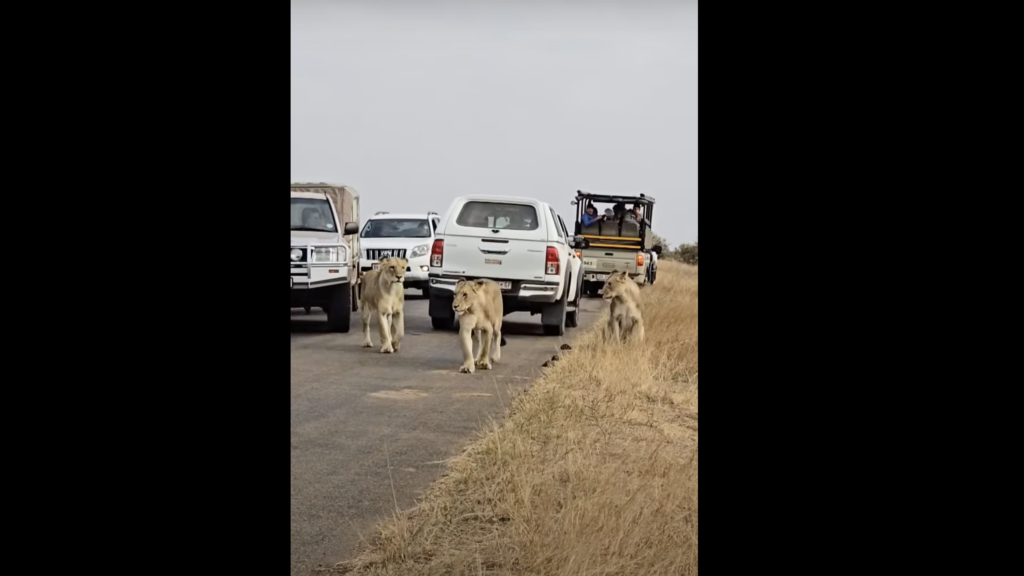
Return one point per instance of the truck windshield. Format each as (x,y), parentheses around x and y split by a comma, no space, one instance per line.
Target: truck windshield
(312,214)
(396,228)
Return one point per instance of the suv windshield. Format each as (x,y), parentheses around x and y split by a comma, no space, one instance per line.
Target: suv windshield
(312,214)
(498,215)
(396,228)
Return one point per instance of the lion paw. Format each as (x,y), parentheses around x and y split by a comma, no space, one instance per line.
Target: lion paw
(386,349)
(484,365)
(466,369)
(367,344)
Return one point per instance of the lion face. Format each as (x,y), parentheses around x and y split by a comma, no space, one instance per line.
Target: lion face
(613,286)
(393,269)
(465,295)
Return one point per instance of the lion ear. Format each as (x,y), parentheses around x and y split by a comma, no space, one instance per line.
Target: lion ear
(479,282)
(383,259)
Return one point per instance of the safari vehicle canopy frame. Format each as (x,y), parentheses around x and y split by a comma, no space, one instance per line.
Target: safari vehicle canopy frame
(610,234)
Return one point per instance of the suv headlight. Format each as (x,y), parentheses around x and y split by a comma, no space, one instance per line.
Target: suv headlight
(418,251)
(327,254)
(296,254)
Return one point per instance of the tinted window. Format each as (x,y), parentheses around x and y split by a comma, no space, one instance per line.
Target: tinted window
(558,228)
(498,215)
(396,228)
(562,224)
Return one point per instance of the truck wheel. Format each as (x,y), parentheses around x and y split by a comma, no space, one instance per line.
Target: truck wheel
(442,317)
(339,312)
(553,315)
(307,308)
(442,323)
(572,319)
(593,289)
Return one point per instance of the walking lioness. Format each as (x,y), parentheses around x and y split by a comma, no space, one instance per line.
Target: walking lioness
(383,292)
(624,316)
(478,305)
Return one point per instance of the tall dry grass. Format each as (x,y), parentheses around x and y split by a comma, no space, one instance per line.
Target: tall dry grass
(593,472)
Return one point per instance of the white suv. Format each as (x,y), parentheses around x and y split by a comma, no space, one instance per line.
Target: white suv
(522,244)
(408,236)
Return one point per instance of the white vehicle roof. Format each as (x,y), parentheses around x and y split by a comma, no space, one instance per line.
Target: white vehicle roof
(409,215)
(491,198)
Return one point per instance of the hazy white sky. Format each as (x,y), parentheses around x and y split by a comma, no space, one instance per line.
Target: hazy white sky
(414,103)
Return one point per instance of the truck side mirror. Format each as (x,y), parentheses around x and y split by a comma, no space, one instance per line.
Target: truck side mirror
(351,227)
(580,242)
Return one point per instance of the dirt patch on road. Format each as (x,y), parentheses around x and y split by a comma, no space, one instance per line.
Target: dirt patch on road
(404,394)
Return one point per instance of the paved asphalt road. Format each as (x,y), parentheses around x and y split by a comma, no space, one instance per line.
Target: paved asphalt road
(355,409)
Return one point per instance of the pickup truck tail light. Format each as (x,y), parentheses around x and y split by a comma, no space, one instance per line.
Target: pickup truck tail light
(640,259)
(437,253)
(551,265)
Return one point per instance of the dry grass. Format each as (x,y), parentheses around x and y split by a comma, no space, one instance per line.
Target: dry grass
(593,472)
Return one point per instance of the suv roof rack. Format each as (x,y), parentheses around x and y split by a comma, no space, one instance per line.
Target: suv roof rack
(382,213)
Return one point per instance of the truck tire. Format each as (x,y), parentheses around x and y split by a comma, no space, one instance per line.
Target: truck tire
(553,316)
(442,323)
(339,311)
(572,319)
(442,317)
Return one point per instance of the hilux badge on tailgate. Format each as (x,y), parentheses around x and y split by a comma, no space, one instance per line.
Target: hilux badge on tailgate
(492,261)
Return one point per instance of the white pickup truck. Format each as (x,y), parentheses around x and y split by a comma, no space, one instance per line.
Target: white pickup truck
(522,244)
(324,261)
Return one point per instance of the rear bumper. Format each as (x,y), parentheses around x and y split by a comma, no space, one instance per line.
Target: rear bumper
(523,290)
(603,276)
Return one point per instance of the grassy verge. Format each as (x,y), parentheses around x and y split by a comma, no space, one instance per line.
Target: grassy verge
(593,472)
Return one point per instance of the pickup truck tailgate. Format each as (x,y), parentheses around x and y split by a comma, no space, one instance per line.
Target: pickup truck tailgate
(603,261)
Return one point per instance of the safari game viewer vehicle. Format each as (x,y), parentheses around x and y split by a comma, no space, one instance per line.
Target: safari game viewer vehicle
(324,262)
(618,241)
(520,243)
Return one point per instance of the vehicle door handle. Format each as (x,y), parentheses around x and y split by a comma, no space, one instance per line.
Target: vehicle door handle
(505,251)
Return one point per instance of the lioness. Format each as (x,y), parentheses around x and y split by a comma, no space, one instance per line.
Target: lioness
(624,316)
(383,292)
(478,305)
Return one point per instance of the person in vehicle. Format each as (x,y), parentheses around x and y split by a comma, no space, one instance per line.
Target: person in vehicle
(311,218)
(638,214)
(591,216)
